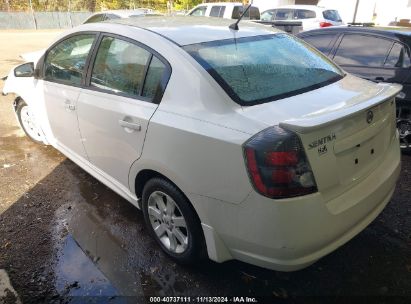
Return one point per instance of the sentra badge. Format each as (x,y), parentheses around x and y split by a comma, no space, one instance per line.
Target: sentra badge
(322,141)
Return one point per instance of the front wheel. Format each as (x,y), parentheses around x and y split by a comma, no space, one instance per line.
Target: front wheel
(28,122)
(172,221)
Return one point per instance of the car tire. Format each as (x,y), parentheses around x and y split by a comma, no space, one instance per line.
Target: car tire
(166,222)
(28,123)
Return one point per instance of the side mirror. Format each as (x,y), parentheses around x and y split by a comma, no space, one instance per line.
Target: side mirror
(24,70)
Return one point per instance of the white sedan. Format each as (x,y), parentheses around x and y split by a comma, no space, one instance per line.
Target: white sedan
(246,144)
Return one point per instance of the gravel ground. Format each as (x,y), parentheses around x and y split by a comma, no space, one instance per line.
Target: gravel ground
(65,237)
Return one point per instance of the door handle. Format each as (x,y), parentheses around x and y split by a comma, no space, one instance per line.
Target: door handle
(68,105)
(129,125)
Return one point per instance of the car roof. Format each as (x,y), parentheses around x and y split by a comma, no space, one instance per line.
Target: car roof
(386,31)
(184,30)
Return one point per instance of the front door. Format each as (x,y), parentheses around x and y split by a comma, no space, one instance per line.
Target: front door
(115,109)
(64,70)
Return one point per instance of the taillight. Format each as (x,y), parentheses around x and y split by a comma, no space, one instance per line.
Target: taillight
(325,24)
(277,164)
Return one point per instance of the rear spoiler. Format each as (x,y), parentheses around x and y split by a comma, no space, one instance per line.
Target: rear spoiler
(325,117)
(292,27)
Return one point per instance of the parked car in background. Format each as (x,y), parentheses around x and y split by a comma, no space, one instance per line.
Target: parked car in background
(311,16)
(374,53)
(227,10)
(118,14)
(272,155)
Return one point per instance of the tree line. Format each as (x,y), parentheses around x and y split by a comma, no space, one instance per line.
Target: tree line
(93,5)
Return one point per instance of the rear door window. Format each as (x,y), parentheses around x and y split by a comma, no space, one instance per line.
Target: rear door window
(215,11)
(253,13)
(222,10)
(125,68)
(399,57)
(304,14)
(119,67)
(332,15)
(284,14)
(362,50)
(322,42)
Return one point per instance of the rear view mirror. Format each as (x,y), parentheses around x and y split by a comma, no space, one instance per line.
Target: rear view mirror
(24,70)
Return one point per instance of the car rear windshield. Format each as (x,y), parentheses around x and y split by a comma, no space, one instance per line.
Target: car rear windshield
(259,69)
(332,15)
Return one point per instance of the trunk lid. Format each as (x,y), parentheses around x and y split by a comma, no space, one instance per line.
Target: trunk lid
(345,128)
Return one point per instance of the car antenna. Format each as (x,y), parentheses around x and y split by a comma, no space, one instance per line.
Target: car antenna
(234,26)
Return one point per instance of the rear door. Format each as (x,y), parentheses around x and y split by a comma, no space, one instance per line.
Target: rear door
(370,57)
(125,84)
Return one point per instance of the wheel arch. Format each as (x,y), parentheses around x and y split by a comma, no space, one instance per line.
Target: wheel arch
(144,175)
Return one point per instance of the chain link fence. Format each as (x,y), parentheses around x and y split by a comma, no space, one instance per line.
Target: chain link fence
(41,20)
(56,14)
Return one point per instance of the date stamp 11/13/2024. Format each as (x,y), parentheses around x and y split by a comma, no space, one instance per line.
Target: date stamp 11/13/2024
(201,299)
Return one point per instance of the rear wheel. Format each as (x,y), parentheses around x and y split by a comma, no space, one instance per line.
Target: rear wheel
(28,122)
(172,221)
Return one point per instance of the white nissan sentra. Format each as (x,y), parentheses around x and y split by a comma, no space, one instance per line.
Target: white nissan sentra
(236,144)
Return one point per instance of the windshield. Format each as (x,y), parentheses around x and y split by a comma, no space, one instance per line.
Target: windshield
(260,69)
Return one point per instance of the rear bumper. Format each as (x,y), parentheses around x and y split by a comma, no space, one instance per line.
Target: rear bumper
(288,235)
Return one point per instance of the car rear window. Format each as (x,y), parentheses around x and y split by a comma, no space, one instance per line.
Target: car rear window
(284,14)
(332,15)
(259,69)
(304,14)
